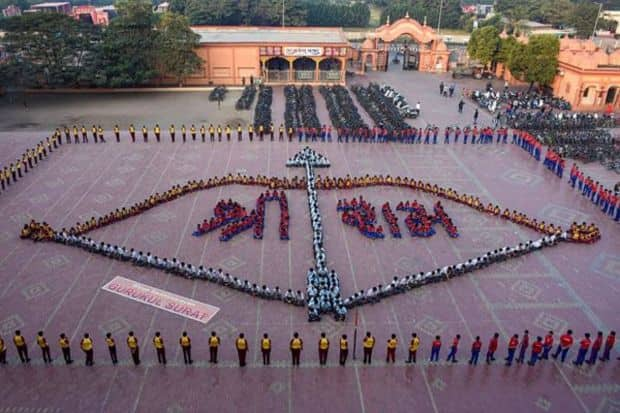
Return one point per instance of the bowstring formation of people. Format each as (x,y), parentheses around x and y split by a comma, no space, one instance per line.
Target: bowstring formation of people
(589,349)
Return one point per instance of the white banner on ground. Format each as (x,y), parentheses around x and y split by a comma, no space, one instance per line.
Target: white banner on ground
(164,300)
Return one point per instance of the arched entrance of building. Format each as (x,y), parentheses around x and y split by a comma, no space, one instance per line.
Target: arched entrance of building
(304,69)
(432,53)
(612,95)
(277,69)
(330,69)
(588,96)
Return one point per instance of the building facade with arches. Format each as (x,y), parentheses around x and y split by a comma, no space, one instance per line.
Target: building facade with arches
(240,55)
(588,75)
(430,52)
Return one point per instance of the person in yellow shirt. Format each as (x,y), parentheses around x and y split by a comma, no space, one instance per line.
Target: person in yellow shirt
(414,344)
(65,347)
(211,132)
(368,344)
(145,133)
(111,347)
(242,349)
(251,132)
(100,133)
(171,131)
(214,343)
(134,348)
(183,133)
(84,134)
(392,343)
(281,132)
(239,132)
(117,133)
(94,132)
(219,133)
(132,133)
(265,348)
(157,131)
(76,134)
(192,131)
(344,350)
(323,349)
(87,347)
(296,346)
(2,352)
(160,349)
(21,346)
(261,132)
(186,346)
(203,132)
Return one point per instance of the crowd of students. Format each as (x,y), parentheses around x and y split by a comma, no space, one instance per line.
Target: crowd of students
(589,351)
(584,233)
(606,199)
(321,282)
(362,215)
(16,170)
(403,284)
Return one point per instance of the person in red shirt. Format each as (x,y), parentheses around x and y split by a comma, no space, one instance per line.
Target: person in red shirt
(453,349)
(596,347)
(436,346)
(524,344)
(537,348)
(512,348)
(492,348)
(609,344)
(584,346)
(475,351)
(566,341)
(547,346)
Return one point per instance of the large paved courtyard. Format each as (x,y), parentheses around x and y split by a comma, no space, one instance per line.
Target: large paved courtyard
(57,288)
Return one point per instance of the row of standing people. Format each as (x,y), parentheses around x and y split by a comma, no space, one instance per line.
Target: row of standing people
(588,351)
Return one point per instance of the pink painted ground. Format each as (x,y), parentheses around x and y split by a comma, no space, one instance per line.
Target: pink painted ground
(57,288)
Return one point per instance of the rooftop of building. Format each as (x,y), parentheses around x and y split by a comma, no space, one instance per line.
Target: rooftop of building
(251,34)
(50,4)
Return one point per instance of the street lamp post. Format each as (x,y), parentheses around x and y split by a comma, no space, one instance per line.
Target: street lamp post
(439,20)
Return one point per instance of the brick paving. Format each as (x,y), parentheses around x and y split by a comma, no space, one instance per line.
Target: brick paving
(57,288)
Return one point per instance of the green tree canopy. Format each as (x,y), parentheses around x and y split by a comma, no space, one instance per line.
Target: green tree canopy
(420,9)
(536,61)
(47,49)
(484,44)
(126,56)
(176,43)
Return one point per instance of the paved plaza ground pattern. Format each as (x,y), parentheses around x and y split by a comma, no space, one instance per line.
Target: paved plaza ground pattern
(55,288)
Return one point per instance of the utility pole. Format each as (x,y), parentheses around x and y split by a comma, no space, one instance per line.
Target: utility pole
(439,20)
(282,13)
(600,7)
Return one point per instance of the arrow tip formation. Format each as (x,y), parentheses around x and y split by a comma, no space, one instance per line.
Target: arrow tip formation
(308,156)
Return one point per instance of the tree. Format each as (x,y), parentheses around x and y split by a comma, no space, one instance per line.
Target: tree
(536,61)
(425,9)
(484,44)
(126,56)
(48,49)
(176,44)
(218,12)
(583,18)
